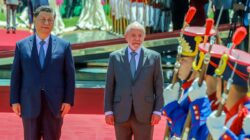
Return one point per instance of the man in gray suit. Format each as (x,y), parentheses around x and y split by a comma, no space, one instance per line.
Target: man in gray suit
(134,87)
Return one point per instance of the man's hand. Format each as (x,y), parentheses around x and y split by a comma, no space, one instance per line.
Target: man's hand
(110,119)
(155,119)
(65,109)
(17,109)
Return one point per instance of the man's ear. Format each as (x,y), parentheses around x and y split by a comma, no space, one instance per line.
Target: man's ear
(125,36)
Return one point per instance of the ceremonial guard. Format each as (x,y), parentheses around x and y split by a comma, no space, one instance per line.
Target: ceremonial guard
(149,16)
(210,77)
(166,16)
(176,108)
(207,61)
(126,14)
(157,6)
(137,11)
(116,14)
(229,121)
(202,94)
(228,125)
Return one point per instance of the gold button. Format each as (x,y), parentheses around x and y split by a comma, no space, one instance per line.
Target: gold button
(194,107)
(197,117)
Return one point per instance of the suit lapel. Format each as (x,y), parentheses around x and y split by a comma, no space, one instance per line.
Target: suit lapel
(33,49)
(51,46)
(126,62)
(143,58)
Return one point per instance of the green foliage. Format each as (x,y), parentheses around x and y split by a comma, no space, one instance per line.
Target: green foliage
(107,9)
(77,10)
(2,16)
(70,21)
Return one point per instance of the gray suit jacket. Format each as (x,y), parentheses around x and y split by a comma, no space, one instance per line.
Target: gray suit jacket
(144,91)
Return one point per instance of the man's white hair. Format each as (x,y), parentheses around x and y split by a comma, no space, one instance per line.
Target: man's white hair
(135,25)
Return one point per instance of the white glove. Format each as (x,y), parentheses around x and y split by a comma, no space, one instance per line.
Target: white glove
(171,94)
(216,125)
(175,138)
(196,92)
(246,124)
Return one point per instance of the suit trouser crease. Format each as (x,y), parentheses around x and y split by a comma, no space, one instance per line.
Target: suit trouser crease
(45,126)
(132,127)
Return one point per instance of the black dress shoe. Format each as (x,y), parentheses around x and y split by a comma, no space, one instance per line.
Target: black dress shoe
(13,30)
(8,30)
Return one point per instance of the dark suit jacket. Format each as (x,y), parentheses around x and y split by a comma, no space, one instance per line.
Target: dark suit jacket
(57,77)
(144,91)
(38,3)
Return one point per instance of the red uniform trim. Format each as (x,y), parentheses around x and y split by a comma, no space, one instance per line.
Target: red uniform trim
(241,111)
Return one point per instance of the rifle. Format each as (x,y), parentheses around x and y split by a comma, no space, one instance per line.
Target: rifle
(113,16)
(189,16)
(247,21)
(248,81)
(224,94)
(237,7)
(209,24)
(217,24)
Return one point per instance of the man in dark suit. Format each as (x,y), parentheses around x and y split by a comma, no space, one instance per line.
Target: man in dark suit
(134,87)
(42,80)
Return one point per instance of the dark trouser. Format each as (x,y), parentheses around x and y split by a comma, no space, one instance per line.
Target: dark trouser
(224,16)
(30,12)
(141,131)
(178,19)
(70,6)
(45,126)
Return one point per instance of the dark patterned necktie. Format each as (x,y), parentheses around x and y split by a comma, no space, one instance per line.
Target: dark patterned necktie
(133,63)
(42,53)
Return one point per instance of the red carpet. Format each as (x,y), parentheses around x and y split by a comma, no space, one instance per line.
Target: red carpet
(76,127)
(8,41)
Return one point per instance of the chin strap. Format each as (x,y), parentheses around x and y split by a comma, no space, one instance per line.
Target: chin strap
(189,75)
